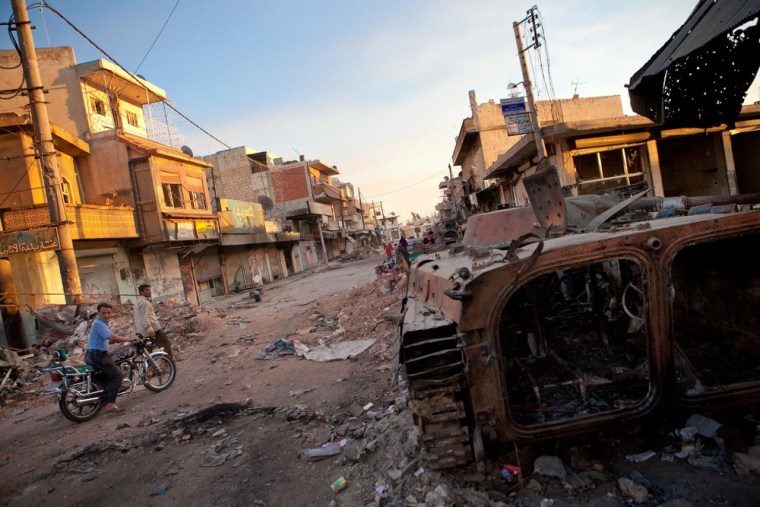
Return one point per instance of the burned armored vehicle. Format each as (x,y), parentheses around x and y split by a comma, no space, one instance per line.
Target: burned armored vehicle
(579,314)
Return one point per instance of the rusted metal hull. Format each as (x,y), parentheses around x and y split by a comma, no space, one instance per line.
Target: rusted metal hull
(580,332)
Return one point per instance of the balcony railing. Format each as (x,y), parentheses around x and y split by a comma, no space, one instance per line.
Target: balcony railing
(87,221)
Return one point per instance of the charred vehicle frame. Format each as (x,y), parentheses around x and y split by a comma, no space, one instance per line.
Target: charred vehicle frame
(568,327)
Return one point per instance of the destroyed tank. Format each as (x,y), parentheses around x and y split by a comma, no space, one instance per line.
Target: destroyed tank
(578,314)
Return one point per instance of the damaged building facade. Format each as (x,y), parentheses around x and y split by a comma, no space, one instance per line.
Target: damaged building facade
(259,244)
(315,216)
(163,188)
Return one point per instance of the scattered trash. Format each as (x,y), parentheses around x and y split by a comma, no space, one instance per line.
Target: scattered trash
(550,466)
(509,473)
(638,458)
(277,349)
(89,478)
(705,426)
(636,491)
(216,454)
(381,489)
(368,406)
(329,449)
(161,491)
(336,351)
(339,485)
(512,469)
(419,472)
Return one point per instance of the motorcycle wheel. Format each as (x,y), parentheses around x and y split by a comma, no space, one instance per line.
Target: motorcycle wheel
(158,382)
(68,403)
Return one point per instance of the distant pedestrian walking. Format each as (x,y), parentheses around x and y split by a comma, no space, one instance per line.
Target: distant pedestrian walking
(389,250)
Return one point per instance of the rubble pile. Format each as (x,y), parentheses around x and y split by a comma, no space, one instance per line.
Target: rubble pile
(358,254)
(15,372)
(370,311)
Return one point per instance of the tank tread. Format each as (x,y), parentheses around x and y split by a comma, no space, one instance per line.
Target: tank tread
(445,437)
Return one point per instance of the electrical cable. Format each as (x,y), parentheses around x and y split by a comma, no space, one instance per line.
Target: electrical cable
(28,168)
(404,188)
(159,35)
(12,94)
(137,79)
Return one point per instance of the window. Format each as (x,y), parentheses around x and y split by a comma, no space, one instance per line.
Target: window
(66,191)
(194,187)
(173,195)
(197,200)
(98,106)
(602,171)
(132,118)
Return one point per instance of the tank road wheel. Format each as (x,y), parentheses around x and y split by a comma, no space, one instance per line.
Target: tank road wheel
(445,436)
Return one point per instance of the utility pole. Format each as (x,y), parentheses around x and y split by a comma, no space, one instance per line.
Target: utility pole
(453,195)
(361,206)
(57,208)
(540,146)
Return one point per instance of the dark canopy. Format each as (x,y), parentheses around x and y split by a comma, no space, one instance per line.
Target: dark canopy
(700,77)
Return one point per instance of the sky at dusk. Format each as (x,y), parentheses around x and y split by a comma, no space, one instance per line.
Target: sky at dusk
(378,89)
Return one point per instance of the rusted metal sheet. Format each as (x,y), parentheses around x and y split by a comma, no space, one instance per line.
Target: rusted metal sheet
(547,199)
(501,226)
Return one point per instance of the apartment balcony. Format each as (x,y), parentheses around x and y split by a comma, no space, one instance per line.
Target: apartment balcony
(331,225)
(325,193)
(87,221)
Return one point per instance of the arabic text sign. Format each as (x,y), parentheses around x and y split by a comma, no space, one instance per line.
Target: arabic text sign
(28,242)
(514,105)
(518,124)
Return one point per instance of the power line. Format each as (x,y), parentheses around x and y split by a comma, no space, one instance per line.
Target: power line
(157,36)
(137,79)
(406,187)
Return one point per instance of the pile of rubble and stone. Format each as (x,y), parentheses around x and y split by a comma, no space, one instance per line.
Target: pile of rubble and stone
(367,312)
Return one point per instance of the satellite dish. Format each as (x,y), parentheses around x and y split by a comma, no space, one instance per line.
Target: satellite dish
(186,150)
(266,202)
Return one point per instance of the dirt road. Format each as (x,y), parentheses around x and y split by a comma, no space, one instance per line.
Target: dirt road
(232,427)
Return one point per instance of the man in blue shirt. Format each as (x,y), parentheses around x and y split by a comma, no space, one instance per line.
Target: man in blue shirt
(98,357)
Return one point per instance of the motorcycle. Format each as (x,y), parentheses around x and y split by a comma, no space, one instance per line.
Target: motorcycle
(78,389)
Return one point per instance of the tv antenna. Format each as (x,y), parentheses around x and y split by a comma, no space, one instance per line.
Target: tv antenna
(575,84)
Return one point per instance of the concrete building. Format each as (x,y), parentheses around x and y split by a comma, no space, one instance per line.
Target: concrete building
(483,139)
(122,170)
(258,243)
(594,156)
(355,228)
(298,195)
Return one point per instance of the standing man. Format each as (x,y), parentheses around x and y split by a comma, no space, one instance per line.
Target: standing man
(98,357)
(146,322)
